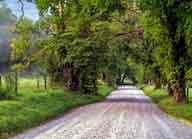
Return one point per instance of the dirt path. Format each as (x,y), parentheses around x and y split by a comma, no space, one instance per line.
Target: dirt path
(126,114)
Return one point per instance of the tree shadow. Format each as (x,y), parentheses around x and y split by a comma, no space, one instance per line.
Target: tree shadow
(128,100)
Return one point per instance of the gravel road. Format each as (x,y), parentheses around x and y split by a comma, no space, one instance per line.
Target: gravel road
(126,114)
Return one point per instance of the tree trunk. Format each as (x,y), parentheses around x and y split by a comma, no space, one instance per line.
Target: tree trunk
(170,90)
(45,81)
(179,71)
(16,82)
(178,57)
(38,86)
(157,79)
(157,84)
(179,89)
(0,81)
(179,86)
(109,79)
(89,80)
(180,95)
(145,79)
(118,81)
(74,82)
(103,76)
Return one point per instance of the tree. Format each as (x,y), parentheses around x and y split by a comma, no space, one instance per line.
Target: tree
(72,41)
(173,17)
(21,44)
(77,28)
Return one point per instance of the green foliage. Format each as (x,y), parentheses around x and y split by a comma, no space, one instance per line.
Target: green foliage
(81,33)
(7,86)
(166,103)
(166,26)
(75,39)
(42,5)
(9,82)
(22,43)
(33,106)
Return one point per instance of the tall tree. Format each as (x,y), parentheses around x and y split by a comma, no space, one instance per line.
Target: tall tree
(173,17)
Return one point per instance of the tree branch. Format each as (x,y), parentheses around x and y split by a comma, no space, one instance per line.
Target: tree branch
(22,8)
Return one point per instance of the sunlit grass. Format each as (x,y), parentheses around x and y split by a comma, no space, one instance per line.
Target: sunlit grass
(34,106)
(168,104)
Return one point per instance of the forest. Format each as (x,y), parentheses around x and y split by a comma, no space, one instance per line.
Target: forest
(80,50)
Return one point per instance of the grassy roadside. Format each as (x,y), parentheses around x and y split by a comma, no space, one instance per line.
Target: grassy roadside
(33,107)
(166,103)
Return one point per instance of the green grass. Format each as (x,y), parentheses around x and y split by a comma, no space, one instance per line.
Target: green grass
(168,104)
(104,90)
(33,107)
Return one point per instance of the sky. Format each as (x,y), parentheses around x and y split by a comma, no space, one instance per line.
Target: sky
(29,8)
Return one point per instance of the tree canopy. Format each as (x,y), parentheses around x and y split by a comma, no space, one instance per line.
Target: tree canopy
(79,42)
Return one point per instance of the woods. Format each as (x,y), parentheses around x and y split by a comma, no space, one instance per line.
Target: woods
(75,43)
(80,45)
(167,24)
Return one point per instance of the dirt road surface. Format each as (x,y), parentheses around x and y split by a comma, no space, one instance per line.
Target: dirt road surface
(125,114)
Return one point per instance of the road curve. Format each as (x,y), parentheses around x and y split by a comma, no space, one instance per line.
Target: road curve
(126,114)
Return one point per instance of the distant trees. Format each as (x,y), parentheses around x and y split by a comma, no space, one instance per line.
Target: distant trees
(7,21)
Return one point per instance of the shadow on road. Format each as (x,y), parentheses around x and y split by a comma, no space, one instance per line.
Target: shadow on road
(127,100)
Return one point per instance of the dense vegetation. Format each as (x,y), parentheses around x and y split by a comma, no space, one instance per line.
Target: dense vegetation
(34,106)
(76,44)
(166,103)
(168,29)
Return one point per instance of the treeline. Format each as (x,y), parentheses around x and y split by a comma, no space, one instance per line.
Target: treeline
(76,43)
(167,44)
